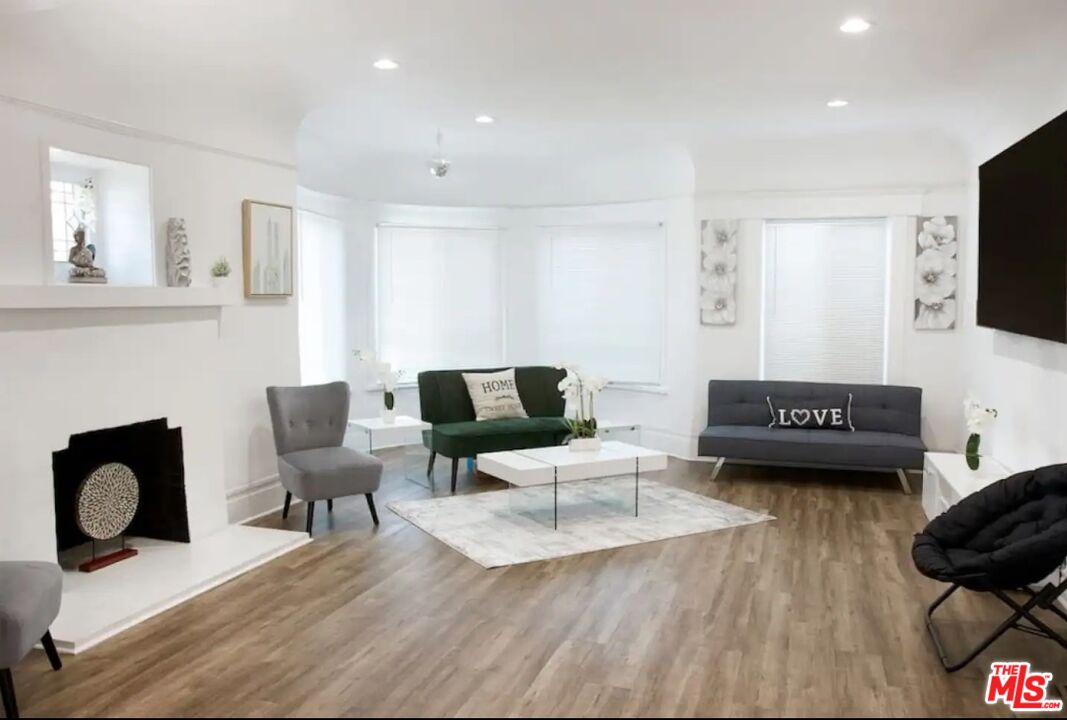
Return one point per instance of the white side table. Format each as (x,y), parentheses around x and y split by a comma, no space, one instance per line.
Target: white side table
(947,480)
(399,432)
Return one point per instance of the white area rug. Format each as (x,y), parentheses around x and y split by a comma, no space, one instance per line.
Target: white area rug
(513,526)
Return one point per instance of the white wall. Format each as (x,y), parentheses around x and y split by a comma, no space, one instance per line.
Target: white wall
(66,371)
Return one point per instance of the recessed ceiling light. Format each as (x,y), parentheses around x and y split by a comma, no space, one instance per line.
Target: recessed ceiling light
(485,119)
(855,25)
(837,103)
(386,64)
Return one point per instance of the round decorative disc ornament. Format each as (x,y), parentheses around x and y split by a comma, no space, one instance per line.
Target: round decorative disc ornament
(106,501)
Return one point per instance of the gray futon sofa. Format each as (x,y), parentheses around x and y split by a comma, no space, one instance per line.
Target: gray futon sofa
(887,419)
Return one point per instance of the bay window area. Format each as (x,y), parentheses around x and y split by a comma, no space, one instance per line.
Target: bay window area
(438,298)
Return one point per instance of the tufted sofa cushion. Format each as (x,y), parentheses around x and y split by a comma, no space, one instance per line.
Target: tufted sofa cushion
(878,408)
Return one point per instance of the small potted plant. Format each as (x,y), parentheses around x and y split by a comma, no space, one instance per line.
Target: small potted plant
(220,272)
(977,416)
(387,378)
(580,389)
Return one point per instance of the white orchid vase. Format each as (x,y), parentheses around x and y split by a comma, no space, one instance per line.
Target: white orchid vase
(978,418)
(580,389)
(387,378)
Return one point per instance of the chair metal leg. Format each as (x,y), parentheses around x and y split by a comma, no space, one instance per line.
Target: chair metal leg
(50,650)
(1020,611)
(718,468)
(311,516)
(429,465)
(285,507)
(7,689)
(329,505)
(455,472)
(370,506)
(904,484)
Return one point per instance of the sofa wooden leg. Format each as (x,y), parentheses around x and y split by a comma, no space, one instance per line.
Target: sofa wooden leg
(718,468)
(455,472)
(904,484)
(285,508)
(49,646)
(370,506)
(311,516)
(429,465)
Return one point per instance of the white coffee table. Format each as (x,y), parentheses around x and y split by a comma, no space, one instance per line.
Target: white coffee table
(399,432)
(559,464)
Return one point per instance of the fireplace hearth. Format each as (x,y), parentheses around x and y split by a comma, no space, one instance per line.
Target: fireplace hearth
(153,451)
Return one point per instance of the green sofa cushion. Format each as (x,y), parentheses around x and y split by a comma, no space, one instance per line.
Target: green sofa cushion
(443,396)
(468,438)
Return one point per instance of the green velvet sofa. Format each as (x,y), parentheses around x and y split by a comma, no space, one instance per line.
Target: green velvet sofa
(446,404)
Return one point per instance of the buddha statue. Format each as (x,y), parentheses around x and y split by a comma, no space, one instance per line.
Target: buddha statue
(82,257)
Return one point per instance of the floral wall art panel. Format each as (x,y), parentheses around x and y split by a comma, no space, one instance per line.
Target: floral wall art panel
(718,272)
(936,267)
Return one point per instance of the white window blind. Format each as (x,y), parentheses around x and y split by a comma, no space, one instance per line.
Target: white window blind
(439,298)
(824,313)
(603,301)
(323,344)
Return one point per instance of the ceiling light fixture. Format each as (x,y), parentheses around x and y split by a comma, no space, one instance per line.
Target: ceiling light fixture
(485,119)
(837,103)
(855,25)
(386,64)
(439,165)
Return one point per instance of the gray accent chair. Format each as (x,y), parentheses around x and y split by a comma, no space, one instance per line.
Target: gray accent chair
(887,419)
(30,593)
(309,426)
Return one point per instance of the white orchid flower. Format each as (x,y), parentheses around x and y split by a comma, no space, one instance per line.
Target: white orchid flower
(977,415)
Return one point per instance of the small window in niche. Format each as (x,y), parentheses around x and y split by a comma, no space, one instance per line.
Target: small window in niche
(111,201)
(65,197)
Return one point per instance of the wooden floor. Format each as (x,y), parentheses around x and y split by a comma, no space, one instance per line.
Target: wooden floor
(816,613)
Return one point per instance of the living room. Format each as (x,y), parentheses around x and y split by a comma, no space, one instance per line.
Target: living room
(532,358)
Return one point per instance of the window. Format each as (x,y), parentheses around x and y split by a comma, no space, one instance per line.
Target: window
(824,305)
(439,298)
(603,300)
(64,206)
(323,342)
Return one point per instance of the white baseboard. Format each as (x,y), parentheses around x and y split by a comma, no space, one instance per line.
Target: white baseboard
(256,499)
(676,444)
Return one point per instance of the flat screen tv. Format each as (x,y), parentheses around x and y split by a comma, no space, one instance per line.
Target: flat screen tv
(1022,236)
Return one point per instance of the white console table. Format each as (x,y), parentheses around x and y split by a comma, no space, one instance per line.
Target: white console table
(947,480)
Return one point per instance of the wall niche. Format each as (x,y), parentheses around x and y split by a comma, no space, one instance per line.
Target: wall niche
(110,201)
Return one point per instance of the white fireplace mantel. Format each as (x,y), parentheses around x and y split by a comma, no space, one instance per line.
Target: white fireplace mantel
(59,297)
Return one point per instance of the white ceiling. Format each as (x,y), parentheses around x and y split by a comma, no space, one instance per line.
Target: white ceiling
(568,80)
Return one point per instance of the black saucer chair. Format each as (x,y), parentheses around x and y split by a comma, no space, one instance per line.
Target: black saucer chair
(1006,537)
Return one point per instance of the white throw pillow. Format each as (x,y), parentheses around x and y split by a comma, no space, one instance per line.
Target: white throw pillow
(494,395)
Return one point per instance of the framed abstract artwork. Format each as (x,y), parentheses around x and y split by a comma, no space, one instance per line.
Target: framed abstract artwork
(718,272)
(936,266)
(267,230)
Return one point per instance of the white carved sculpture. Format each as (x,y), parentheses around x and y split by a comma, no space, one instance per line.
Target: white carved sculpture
(179,265)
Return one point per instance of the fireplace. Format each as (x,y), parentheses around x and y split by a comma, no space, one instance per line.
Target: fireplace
(153,451)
